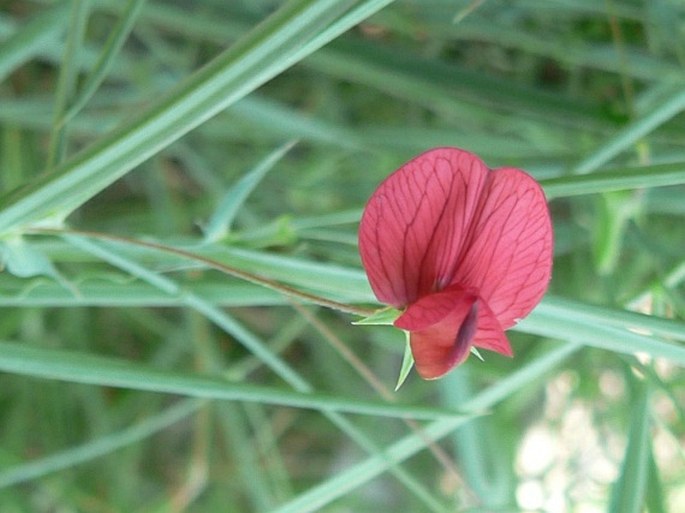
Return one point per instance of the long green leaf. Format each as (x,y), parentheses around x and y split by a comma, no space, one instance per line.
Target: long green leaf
(606,316)
(220,223)
(26,42)
(116,40)
(562,325)
(358,474)
(99,447)
(607,328)
(96,370)
(66,80)
(484,463)
(270,48)
(116,292)
(265,354)
(628,493)
(631,133)
(655,499)
(619,179)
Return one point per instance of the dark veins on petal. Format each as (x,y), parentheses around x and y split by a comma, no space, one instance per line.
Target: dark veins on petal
(465,334)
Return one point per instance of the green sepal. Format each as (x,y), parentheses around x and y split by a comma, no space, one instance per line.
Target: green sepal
(475,352)
(407,363)
(385,317)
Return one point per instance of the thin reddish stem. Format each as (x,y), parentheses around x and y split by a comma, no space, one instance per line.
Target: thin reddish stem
(219,266)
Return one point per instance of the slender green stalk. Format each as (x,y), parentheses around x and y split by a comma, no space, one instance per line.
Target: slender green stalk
(66,82)
(112,47)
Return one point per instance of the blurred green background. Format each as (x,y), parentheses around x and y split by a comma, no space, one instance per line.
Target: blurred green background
(250,134)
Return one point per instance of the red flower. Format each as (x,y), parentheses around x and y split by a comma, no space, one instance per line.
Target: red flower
(465,251)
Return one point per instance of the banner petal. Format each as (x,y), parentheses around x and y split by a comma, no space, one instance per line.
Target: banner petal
(509,254)
(414,226)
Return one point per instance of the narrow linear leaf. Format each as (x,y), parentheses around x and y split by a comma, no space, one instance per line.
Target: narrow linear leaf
(482,455)
(280,41)
(250,469)
(104,63)
(360,473)
(99,447)
(265,354)
(28,40)
(654,495)
(618,179)
(76,367)
(340,281)
(432,82)
(625,319)
(66,81)
(220,223)
(336,281)
(628,493)
(562,326)
(118,291)
(632,132)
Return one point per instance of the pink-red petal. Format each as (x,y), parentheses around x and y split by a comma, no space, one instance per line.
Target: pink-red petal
(490,334)
(415,224)
(509,253)
(466,250)
(442,326)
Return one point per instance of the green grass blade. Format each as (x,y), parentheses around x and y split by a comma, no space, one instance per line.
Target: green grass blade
(287,122)
(250,471)
(444,87)
(562,325)
(99,447)
(115,292)
(654,496)
(112,47)
(329,280)
(66,81)
(172,288)
(625,319)
(356,14)
(339,281)
(343,482)
(617,179)
(24,44)
(221,221)
(272,360)
(270,48)
(631,133)
(76,367)
(479,451)
(628,493)
(598,56)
